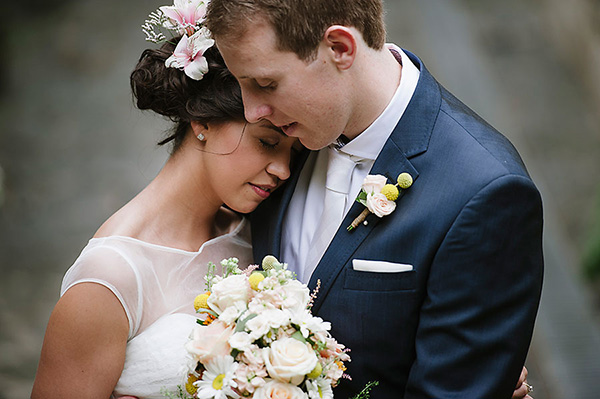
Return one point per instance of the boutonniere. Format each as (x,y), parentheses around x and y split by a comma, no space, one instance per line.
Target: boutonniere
(379,197)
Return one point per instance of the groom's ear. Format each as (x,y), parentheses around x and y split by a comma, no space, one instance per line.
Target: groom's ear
(342,44)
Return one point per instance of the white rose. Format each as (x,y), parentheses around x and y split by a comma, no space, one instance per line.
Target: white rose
(289,360)
(379,205)
(374,183)
(279,390)
(229,291)
(296,296)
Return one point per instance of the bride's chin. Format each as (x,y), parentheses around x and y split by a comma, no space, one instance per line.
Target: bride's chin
(246,207)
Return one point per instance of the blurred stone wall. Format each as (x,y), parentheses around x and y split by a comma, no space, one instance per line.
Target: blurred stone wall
(73,149)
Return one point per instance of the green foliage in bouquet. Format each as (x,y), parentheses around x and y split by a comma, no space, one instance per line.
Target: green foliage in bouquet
(180,394)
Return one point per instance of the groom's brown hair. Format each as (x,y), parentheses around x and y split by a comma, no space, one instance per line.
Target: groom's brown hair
(298,24)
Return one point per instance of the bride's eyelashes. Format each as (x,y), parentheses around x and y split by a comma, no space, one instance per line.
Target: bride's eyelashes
(265,144)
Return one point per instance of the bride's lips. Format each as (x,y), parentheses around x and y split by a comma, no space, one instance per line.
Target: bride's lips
(262,191)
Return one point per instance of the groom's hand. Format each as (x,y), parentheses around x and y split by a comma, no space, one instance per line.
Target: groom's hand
(522,389)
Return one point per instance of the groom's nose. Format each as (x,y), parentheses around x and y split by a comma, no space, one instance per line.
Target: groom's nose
(255,108)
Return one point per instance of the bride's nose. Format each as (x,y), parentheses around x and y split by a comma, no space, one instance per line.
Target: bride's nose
(279,166)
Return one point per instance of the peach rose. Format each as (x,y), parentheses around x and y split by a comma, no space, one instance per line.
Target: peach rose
(279,390)
(210,341)
(380,205)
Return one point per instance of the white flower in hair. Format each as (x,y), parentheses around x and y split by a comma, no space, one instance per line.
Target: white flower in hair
(189,54)
(185,15)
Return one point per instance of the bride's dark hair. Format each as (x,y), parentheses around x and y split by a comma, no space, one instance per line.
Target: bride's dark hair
(171,93)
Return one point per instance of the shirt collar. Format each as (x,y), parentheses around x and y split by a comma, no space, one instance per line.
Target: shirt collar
(369,143)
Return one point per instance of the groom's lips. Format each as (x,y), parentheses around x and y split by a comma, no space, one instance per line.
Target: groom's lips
(262,191)
(289,128)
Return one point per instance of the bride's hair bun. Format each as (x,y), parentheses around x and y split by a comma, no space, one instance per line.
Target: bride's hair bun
(171,93)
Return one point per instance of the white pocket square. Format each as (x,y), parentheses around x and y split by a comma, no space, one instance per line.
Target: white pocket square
(377,266)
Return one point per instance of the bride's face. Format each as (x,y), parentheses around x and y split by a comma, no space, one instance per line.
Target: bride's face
(246,162)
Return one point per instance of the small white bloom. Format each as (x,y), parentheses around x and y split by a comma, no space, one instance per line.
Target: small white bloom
(319,388)
(265,321)
(240,341)
(309,323)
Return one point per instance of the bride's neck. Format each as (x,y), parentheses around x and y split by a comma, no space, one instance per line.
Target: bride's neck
(175,202)
(172,210)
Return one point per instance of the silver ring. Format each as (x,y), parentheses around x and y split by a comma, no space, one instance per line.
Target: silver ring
(529,388)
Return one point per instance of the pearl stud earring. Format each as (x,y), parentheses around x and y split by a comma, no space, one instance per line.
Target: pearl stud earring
(201,137)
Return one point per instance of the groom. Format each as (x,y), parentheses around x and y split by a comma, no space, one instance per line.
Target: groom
(437,299)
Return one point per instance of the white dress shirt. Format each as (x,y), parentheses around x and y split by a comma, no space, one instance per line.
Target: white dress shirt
(305,209)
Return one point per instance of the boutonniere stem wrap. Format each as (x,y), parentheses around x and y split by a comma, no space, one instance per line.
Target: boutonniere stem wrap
(379,197)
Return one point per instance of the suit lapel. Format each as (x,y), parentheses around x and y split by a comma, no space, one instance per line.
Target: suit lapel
(409,138)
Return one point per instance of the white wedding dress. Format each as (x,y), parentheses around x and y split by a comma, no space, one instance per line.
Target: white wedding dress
(156,286)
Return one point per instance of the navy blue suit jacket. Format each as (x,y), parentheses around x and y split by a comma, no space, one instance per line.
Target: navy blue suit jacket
(459,325)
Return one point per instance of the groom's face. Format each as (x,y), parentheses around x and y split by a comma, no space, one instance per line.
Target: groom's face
(306,99)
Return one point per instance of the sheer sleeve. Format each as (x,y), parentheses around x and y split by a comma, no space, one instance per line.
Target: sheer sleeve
(107,266)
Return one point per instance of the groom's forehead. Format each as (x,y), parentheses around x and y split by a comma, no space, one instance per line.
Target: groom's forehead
(255,57)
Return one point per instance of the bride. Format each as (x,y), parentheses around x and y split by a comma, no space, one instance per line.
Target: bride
(126,305)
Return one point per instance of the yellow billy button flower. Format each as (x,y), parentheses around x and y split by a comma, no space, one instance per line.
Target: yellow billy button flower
(316,371)
(201,301)
(255,279)
(189,384)
(405,180)
(374,201)
(390,191)
(269,262)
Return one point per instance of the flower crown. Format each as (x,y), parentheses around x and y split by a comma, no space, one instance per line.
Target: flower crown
(185,18)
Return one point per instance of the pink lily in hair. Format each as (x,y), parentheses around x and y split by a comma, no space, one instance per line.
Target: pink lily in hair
(189,54)
(185,15)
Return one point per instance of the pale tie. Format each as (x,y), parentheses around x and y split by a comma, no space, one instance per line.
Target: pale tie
(337,185)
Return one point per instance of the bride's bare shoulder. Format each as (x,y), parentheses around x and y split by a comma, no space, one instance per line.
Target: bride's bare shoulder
(127,221)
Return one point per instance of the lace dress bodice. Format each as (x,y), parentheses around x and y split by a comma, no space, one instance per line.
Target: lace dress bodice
(156,286)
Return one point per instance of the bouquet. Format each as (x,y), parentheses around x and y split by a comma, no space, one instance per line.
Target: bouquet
(258,339)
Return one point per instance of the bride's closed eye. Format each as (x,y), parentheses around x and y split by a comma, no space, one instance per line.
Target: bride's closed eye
(268,144)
